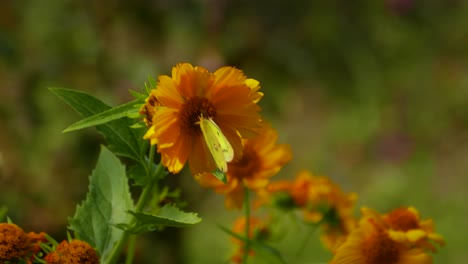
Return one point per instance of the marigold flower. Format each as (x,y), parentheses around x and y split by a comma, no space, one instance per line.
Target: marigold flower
(261,160)
(258,230)
(370,243)
(174,108)
(75,252)
(14,243)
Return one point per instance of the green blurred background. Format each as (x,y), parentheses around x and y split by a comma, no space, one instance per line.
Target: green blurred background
(371,93)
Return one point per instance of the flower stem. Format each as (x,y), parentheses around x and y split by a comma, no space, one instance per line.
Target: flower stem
(247,225)
(130,249)
(144,198)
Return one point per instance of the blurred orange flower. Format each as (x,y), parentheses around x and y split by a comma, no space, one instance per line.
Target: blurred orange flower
(320,200)
(405,224)
(174,108)
(393,238)
(14,243)
(262,159)
(370,243)
(72,252)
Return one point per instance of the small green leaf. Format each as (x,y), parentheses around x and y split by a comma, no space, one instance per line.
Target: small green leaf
(138,95)
(105,116)
(151,84)
(122,140)
(220,175)
(167,216)
(106,203)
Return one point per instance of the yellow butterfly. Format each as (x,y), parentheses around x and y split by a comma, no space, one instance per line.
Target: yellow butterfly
(219,146)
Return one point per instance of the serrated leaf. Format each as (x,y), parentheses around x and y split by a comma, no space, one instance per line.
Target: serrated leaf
(167,216)
(106,203)
(122,140)
(114,113)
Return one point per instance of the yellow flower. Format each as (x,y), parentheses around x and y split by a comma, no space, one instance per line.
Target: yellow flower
(262,159)
(174,108)
(370,243)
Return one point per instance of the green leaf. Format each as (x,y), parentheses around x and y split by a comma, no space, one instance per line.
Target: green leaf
(138,95)
(257,245)
(106,203)
(105,116)
(122,140)
(151,84)
(167,216)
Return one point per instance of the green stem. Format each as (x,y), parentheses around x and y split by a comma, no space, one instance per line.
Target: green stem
(144,198)
(247,225)
(131,249)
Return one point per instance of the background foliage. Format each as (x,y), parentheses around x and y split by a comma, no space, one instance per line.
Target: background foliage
(371,93)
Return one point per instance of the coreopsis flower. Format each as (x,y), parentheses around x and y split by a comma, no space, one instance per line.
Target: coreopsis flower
(14,243)
(74,252)
(258,231)
(372,243)
(405,224)
(174,107)
(262,159)
(321,201)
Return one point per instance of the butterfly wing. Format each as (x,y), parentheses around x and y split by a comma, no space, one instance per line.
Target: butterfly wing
(226,147)
(211,135)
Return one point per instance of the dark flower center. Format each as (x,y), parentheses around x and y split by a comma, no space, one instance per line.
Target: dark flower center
(248,165)
(190,115)
(380,249)
(402,219)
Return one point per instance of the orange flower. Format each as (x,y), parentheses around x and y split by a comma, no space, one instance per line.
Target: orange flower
(321,201)
(258,230)
(372,242)
(405,224)
(261,160)
(174,108)
(72,253)
(34,247)
(14,243)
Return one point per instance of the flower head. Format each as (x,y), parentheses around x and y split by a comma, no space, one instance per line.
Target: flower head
(399,237)
(405,224)
(262,159)
(320,200)
(74,252)
(174,108)
(370,243)
(14,243)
